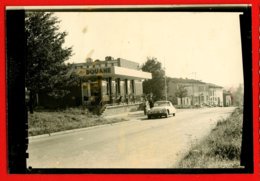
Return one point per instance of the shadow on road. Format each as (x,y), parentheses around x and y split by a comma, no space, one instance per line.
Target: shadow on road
(152,119)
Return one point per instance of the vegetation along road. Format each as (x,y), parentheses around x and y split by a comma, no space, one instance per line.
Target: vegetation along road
(139,143)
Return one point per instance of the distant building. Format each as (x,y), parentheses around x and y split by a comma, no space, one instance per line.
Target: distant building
(215,95)
(227,98)
(198,92)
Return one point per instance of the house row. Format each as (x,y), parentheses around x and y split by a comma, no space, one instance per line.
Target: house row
(197,93)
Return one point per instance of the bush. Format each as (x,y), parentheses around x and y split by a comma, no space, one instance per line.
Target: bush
(227,150)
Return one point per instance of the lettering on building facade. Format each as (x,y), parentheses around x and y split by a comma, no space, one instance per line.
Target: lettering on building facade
(96,71)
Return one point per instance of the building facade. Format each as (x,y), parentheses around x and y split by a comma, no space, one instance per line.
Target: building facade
(107,82)
(227,98)
(110,81)
(215,95)
(197,92)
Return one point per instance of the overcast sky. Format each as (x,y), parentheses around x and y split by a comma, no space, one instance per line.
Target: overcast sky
(205,46)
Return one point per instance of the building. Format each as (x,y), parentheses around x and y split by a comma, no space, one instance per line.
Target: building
(197,92)
(227,98)
(108,82)
(215,95)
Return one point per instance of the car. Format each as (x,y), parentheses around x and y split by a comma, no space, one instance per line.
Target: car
(161,108)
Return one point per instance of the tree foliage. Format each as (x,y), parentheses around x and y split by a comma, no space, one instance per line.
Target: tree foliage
(238,96)
(181,92)
(156,85)
(46,54)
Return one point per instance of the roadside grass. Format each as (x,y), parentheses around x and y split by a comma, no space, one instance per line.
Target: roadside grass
(221,149)
(47,122)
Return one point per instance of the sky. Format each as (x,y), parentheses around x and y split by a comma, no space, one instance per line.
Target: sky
(202,46)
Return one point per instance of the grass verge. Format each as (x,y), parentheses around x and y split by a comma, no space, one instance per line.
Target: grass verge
(46,122)
(221,149)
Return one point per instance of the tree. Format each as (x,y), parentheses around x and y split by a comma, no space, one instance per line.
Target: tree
(45,67)
(181,92)
(156,85)
(238,96)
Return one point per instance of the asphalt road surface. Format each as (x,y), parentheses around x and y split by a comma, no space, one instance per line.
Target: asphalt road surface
(139,143)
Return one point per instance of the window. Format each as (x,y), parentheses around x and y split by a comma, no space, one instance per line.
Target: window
(104,87)
(138,87)
(122,87)
(201,88)
(158,104)
(129,90)
(113,85)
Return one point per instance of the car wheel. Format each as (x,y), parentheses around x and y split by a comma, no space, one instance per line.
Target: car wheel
(149,117)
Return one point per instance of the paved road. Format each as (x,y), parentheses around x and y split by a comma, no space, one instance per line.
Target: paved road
(139,143)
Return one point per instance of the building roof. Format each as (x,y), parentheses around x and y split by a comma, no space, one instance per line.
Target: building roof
(214,85)
(192,81)
(186,80)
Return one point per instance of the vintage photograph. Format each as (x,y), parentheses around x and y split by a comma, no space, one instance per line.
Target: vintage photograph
(134,89)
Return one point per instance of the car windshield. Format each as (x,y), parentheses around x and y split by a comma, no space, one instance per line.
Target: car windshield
(159,104)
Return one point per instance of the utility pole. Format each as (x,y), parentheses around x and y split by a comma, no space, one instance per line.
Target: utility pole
(193,73)
(165,82)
